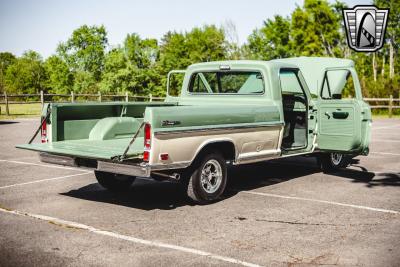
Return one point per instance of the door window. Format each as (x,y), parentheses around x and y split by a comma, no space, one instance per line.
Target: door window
(338,84)
(290,83)
(292,90)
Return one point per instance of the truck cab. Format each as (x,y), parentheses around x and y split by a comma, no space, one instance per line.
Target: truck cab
(220,113)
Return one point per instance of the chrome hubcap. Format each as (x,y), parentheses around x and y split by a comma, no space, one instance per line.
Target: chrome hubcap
(336,158)
(211,176)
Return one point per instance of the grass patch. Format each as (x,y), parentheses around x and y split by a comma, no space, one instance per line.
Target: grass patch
(21,111)
(385,116)
(384,113)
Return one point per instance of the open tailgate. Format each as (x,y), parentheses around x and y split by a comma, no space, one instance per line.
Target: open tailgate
(92,149)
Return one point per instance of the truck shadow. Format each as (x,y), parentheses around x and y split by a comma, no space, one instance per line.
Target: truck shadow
(370,179)
(8,122)
(144,194)
(277,171)
(252,176)
(149,195)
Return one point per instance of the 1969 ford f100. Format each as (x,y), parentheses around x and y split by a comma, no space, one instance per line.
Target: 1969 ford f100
(230,112)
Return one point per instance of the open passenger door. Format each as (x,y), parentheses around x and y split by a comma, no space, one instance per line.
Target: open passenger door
(340,112)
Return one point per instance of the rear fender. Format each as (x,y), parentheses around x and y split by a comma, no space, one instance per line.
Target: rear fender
(217,144)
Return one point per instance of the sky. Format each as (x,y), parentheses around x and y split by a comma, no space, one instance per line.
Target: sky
(40,25)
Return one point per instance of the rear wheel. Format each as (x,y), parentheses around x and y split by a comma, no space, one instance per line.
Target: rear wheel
(208,181)
(114,182)
(330,162)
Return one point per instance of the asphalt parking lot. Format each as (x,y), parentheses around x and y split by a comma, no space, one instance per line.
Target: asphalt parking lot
(280,213)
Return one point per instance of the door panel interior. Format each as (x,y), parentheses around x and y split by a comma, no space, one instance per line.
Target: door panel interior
(339,132)
(339,112)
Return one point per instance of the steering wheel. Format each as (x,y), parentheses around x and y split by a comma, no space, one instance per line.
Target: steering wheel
(300,99)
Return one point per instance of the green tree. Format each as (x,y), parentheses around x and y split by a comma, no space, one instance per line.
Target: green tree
(85,82)
(116,76)
(26,74)
(174,52)
(392,32)
(179,50)
(132,68)
(84,51)
(60,79)
(6,59)
(315,29)
(271,41)
(142,53)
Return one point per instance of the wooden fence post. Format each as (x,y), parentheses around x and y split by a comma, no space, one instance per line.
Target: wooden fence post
(150,97)
(99,93)
(6,100)
(390,106)
(72,97)
(126,97)
(41,98)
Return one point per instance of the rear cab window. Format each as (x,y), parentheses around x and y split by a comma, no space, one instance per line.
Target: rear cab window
(223,82)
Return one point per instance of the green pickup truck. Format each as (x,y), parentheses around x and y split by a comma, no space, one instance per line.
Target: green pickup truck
(226,113)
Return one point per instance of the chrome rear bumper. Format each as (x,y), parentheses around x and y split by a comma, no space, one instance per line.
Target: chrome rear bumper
(127,169)
(118,168)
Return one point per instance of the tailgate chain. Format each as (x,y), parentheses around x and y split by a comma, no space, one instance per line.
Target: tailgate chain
(123,156)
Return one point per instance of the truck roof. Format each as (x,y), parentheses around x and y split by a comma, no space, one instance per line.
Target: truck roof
(312,68)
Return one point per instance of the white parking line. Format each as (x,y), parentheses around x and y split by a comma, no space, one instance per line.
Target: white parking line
(385,127)
(44,180)
(321,201)
(41,165)
(385,153)
(130,238)
(18,159)
(385,140)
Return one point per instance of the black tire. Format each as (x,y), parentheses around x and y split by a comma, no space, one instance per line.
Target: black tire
(331,162)
(196,188)
(114,182)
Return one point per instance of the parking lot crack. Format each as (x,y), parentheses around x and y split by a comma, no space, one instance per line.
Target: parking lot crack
(299,223)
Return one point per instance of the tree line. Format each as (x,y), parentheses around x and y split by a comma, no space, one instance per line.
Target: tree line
(85,63)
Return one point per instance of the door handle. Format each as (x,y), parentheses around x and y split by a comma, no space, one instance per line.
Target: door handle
(340,114)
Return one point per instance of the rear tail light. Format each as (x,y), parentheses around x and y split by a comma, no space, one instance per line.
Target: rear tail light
(44,131)
(147,142)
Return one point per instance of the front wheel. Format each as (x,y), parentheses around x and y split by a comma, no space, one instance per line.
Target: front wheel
(330,162)
(208,181)
(114,182)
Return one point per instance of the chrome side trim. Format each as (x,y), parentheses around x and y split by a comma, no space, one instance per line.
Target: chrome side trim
(132,170)
(212,130)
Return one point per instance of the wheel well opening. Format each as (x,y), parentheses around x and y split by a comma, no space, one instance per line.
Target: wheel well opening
(226,148)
